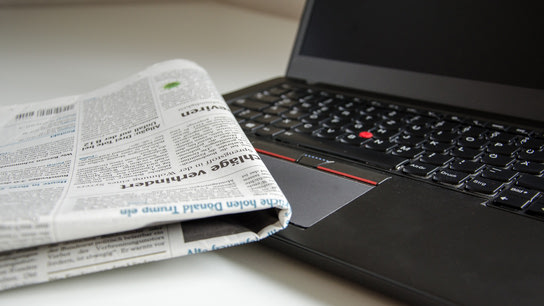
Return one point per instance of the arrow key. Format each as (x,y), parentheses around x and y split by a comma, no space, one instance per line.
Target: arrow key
(537,208)
(511,201)
(521,192)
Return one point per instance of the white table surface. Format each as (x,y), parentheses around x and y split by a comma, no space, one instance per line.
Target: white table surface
(53,51)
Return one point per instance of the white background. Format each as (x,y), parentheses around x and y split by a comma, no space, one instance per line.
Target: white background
(53,51)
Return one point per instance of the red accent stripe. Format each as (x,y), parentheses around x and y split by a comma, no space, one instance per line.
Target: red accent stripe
(275,155)
(348,175)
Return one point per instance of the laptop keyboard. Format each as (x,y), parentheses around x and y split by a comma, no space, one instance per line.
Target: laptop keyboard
(505,164)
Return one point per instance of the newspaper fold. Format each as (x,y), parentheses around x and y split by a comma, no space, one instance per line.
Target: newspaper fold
(148,168)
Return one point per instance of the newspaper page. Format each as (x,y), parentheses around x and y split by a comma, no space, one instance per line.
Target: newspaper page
(148,168)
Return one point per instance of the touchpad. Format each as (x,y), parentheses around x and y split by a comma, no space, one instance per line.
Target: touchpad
(313,194)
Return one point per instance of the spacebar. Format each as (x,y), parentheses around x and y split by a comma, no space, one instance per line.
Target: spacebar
(370,157)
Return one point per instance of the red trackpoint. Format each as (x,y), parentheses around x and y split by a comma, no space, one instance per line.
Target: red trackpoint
(365,134)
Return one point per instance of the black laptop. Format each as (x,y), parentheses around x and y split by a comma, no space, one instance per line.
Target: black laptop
(409,138)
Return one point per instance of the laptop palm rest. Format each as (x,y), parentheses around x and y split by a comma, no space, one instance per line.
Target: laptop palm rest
(312,194)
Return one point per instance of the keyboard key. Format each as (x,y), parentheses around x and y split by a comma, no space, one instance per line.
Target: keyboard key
(436,159)
(345,105)
(314,118)
(502,148)
(531,143)
(294,114)
(325,110)
(410,139)
(472,142)
(435,146)
(407,151)
(275,110)
(511,201)
(277,91)
(444,136)
(288,103)
(536,209)
(267,119)
(268,131)
(367,120)
(497,160)
(351,139)
(379,145)
(391,124)
(343,115)
(355,127)
(286,123)
(394,114)
(466,166)
(420,169)
(306,128)
(499,174)
(521,131)
(473,131)
(531,181)
(268,99)
(305,106)
(476,122)
(319,100)
(455,118)
(248,114)
(465,153)
(373,110)
(532,155)
(430,114)
(521,192)
(250,126)
(334,123)
(528,167)
(385,134)
(396,107)
(451,177)
(297,94)
(499,127)
(445,126)
(417,129)
(422,121)
(340,105)
(328,133)
(250,104)
(498,136)
(483,185)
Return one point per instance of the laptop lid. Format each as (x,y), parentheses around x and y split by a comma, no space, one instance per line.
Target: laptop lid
(481,55)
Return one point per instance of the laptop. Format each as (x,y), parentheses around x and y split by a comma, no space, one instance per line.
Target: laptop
(408,137)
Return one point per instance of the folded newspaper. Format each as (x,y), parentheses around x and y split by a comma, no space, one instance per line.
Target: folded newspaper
(148,168)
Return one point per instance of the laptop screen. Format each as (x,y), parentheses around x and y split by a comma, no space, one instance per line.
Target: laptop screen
(484,55)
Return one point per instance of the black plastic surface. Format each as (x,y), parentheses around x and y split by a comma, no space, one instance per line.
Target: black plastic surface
(423,243)
(431,242)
